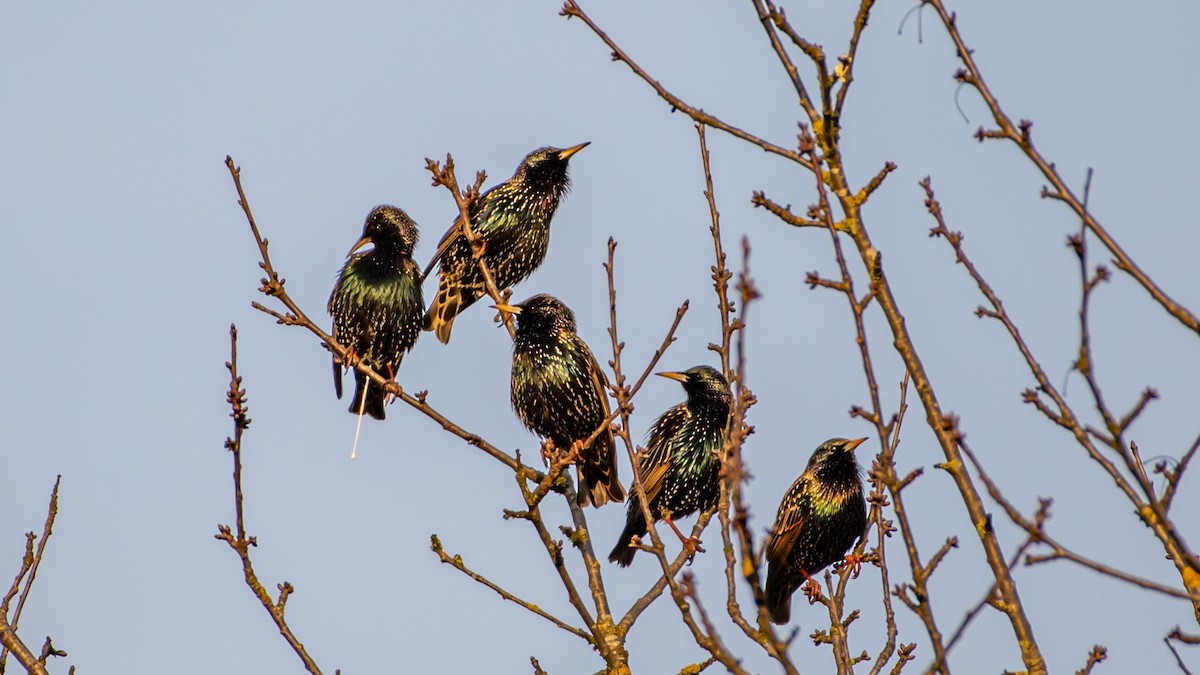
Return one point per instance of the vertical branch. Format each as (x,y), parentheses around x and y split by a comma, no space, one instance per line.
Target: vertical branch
(241,543)
(732,471)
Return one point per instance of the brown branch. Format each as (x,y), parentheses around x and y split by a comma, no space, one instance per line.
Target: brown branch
(30,572)
(774,21)
(860,25)
(1174,476)
(1148,509)
(9,641)
(1179,661)
(457,563)
(1036,530)
(1095,656)
(883,529)
(240,542)
(1020,135)
(784,213)
(572,9)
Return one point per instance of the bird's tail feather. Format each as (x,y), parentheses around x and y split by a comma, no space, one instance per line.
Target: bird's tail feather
(635,526)
(337,377)
(779,590)
(598,479)
(446,306)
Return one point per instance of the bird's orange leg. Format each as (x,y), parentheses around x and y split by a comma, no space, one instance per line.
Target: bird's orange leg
(391,377)
(690,544)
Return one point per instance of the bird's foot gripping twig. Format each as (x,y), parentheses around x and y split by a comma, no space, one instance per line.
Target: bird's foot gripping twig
(393,387)
(690,544)
(855,561)
(575,453)
(811,589)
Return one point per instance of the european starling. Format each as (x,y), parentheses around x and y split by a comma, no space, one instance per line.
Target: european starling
(820,518)
(512,221)
(682,466)
(558,392)
(377,303)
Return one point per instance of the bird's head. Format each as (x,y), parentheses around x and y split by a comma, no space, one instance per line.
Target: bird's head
(547,166)
(542,314)
(835,455)
(388,227)
(703,384)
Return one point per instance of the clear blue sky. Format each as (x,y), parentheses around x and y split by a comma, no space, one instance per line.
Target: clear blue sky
(125,258)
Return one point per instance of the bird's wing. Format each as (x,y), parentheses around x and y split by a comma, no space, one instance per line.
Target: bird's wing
(789,522)
(660,455)
(599,380)
(447,240)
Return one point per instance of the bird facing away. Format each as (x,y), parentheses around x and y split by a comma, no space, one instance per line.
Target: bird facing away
(377,304)
(558,392)
(681,468)
(820,518)
(512,221)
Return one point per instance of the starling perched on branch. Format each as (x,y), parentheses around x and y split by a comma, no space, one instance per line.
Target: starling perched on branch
(377,304)
(681,470)
(820,518)
(512,221)
(558,392)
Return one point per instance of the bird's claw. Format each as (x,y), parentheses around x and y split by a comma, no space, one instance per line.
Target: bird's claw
(855,561)
(812,590)
(575,453)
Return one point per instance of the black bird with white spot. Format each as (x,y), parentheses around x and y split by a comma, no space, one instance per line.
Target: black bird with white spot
(558,392)
(377,304)
(681,468)
(820,518)
(512,221)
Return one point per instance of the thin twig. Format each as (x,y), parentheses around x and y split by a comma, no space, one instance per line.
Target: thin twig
(240,542)
(457,563)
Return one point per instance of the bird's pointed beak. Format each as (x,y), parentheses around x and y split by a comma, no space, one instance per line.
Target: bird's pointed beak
(358,244)
(856,442)
(678,377)
(511,309)
(564,155)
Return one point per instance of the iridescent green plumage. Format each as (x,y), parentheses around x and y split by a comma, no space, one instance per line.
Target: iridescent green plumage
(558,392)
(512,220)
(820,518)
(377,304)
(681,469)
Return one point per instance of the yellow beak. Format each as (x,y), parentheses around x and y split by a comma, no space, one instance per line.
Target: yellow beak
(357,245)
(678,377)
(564,155)
(511,309)
(856,442)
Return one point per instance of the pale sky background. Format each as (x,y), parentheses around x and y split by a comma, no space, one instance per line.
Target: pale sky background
(125,258)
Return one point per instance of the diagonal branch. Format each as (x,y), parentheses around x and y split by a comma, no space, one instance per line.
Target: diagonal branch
(1020,135)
